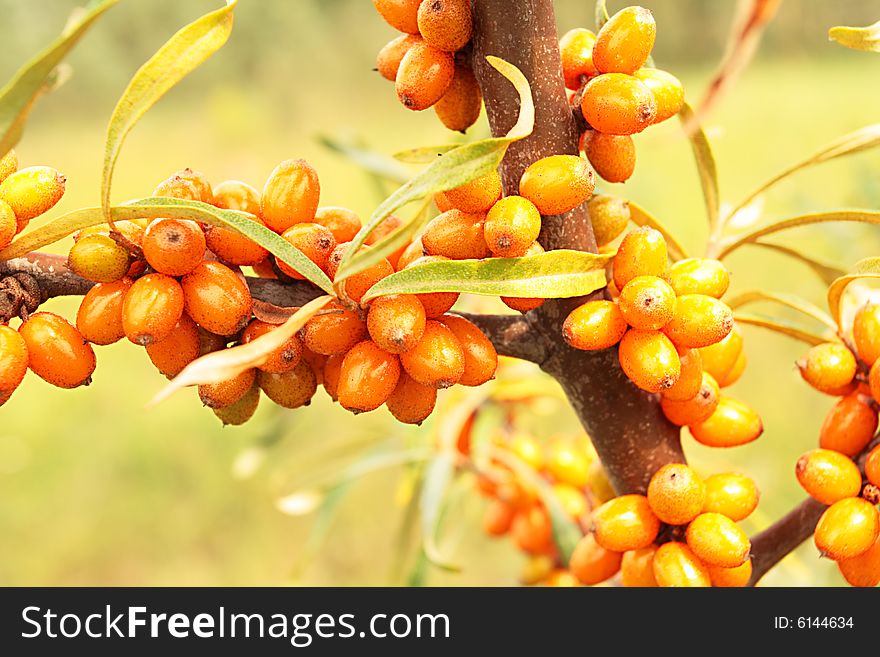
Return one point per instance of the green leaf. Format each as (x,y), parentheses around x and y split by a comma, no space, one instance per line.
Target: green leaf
(785,327)
(438,477)
(454,168)
(371,161)
(641,217)
(867,268)
(424,154)
(857,38)
(552,275)
(861,216)
(705,163)
(788,300)
(601,14)
(182,54)
(828,273)
(33,79)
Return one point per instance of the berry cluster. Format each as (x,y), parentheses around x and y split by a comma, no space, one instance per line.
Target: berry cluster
(25,194)
(616,93)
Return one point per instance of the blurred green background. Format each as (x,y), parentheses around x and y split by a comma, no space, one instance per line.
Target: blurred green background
(97,490)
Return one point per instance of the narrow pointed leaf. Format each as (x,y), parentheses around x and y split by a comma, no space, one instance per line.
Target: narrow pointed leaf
(826,272)
(788,300)
(641,217)
(375,163)
(864,269)
(857,38)
(705,163)
(424,154)
(438,477)
(785,327)
(601,14)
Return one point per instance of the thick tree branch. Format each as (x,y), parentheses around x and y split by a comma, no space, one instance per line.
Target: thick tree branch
(512,336)
(771,545)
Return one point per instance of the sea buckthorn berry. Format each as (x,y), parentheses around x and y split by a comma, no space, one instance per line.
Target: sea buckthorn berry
(717,540)
(497,517)
(282,359)
(512,226)
(480,357)
(317,362)
(388,225)
(342,222)
(241,411)
(676,494)
(424,76)
(699,321)
(872,466)
(528,450)
(446,24)
(32,191)
(732,424)
(332,370)
(368,376)
(618,104)
(625,523)
(531,530)
(402,15)
(625,41)
(411,402)
(637,568)
(8,164)
(609,216)
(290,389)
(478,195)
(210,342)
(699,276)
(8,224)
(151,308)
(667,90)
(828,476)
(566,464)
(290,195)
(691,379)
(862,570)
(13,361)
(558,183)
(675,564)
(313,240)
(698,408)
(522,304)
(438,359)
(99,258)
(647,303)
(435,303)
(229,391)
(358,284)
(730,494)
(178,349)
(459,108)
(874,381)
(174,246)
(99,318)
(591,563)
(736,577)
(720,359)
(396,322)
(641,253)
(649,359)
(456,235)
(217,298)
(388,59)
(594,325)
(576,49)
(334,332)
(738,368)
(612,156)
(571,499)
(828,367)
(560,578)
(866,332)
(227,244)
(600,486)
(200,182)
(849,425)
(56,351)
(177,187)
(847,529)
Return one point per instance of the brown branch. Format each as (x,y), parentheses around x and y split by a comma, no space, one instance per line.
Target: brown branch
(770,546)
(512,336)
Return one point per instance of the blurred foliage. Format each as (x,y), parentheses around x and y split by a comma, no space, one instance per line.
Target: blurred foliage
(98,490)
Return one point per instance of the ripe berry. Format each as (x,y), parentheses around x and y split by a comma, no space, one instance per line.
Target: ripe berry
(241,411)
(618,104)
(849,425)
(676,494)
(99,318)
(609,216)
(720,359)
(600,486)
(497,517)
(625,523)
(178,349)
(528,450)
(332,370)
(217,298)
(174,246)
(522,304)
(368,376)
(612,156)
(478,195)
(177,187)
(32,191)
(567,464)
(424,76)
(718,541)
(8,224)
(531,530)
(576,49)
(435,303)
(229,245)
(282,359)
(641,253)
(480,357)
(828,476)
(675,564)
(445,24)
(317,362)
(388,59)
(864,569)
(594,325)
(828,367)
(290,195)
(591,563)
(625,41)
(459,108)
(731,425)
(388,225)
(649,359)
(737,577)
(402,15)
(396,323)
(872,466)
(847,529)
(411,402)
(151,308)
(290,389)
(695,410)
(637,568)
(315,241)
(438,359)
(98,258)
(699,321)
(572,500)
(334,332)
(342,222)
(229,391)
(699,276)
(866,332)
(56,351)
(667,90)
(730,494)
(512,226)
(691,379)
(13,361)
(647,303)
(558,183)
(456,235)
(8,164)
(356,286)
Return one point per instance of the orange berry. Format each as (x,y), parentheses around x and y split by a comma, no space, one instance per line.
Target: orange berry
(151,308)
(828,476)
(56,351)
(435,303)
(367,378)
(528,450)
(402,15)
(718,541)
(178,349)
(641,253)
(637,567)
(478,195)
(695,410)
(229,391)
(342,222)
(625,41)
(691,379)
(866,332)
(612,156)
(438,359)
(445,24)
(99,318)
(200,182)
(625,523)
(591,563)
(456,235)
(730,494)
(618,104)
(667,90)
(847,529)
(497,517)
(572,500)
(8,224)
(609,216)
(649,359)
(32,191)
(864,569)
(531,530)
(699,321)
(522,304)
(594,325)
(480,357)
(174,246)
(389,57)
(738,368)
(227,244)
(290,389)
(699,276)
(675,564)
(335,331)
(576,49)
(217,298)
(736,577)
(874,380)
(282,359)
(98,257)
(558,183)
(8,164)
(241,411)
(317,362)
(512,226)
(849,425)
(290,195)
(13,361)
(387,226)
(396,322)
(720,359)
(356,286)
(424,76)
(567,464)
(872,466)
(647,303)
(828,367)
(178,187)
(459,108)
(411,402)
(265,268)
(676,494)
(313,240)
(731,424)
(332,370)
